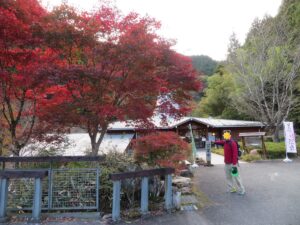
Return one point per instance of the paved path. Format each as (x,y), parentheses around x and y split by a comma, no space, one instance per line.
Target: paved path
(215,158)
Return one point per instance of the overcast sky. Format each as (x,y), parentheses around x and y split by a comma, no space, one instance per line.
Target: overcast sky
(201,27)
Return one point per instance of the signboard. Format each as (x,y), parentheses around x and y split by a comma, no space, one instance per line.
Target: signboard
(211,137)
(289,136)
(253,141)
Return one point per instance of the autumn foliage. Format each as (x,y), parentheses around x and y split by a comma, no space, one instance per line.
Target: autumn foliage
(165,149)
(64,68)
(22,56)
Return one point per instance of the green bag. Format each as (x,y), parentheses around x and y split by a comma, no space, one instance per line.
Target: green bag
(234,172)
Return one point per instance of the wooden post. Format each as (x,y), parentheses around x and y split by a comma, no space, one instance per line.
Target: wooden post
(116,200)
(37,201)
(244,144)
(3,199)
(208,153)
(168,192)
(144,195)
(263,147)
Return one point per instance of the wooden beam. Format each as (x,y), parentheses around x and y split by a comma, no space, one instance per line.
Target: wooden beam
(252,134)
(7,174)
(53,159)
(141,173)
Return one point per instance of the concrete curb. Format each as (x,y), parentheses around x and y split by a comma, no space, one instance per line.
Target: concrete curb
(272,160)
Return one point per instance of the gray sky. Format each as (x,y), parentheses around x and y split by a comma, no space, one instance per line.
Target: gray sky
(200,27)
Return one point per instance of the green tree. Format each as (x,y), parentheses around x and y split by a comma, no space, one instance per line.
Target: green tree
(217,100)
(265,71)
(290,13)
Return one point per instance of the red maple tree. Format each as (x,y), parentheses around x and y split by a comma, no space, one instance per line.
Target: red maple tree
(116,68)
(85,69)
(22,55)
(165,149)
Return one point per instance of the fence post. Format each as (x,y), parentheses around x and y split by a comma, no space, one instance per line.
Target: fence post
(37,201)
(168,192)
(3,199)
(116,200)
(97,189)
(144,195)
(50,185)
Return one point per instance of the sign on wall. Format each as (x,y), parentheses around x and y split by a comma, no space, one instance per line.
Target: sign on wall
(289,136)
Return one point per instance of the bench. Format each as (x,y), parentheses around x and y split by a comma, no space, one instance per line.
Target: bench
(38,175)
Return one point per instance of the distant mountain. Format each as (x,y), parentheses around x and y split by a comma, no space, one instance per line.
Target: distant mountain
(204,64)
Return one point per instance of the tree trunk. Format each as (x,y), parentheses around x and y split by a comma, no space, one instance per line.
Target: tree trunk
(276,134)
(15,150)
(1,142)
(94,146)
(96,143)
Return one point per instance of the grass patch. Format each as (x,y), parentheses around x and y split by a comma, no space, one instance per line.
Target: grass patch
(250,158)
(276,150)
(218,151)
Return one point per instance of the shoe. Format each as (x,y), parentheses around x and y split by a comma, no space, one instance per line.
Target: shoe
(232,190)
(241,192)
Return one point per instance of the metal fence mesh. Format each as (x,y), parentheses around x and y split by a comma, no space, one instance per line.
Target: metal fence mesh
(20,193)
(63,189)
(74,188)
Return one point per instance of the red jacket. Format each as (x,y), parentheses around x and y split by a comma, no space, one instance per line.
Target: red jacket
(230,151)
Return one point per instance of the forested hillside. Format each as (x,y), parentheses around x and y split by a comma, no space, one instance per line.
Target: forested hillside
(204,64)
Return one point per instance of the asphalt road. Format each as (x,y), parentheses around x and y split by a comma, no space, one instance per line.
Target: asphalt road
(272,194)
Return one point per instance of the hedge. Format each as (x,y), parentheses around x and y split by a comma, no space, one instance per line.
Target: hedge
(274,150)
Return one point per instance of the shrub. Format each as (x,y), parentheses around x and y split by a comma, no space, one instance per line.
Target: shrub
(218,151)
(276,150)
(131,188)
(115,163)
(268,138)
(165,149)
